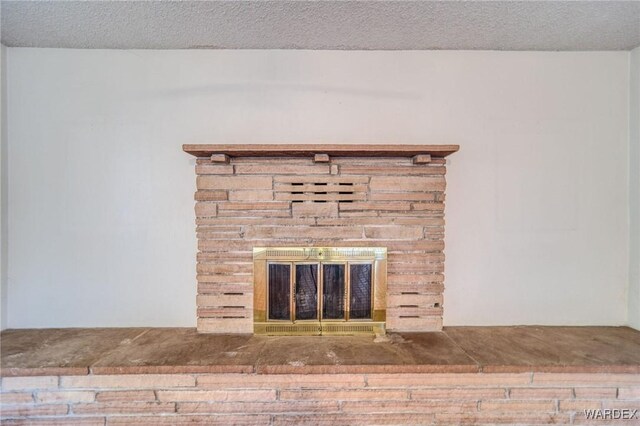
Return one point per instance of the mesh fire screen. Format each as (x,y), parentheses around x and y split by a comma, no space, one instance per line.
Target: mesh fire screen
(360,292)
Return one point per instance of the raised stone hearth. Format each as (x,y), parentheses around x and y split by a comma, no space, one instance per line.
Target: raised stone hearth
(463,375)
(384,196)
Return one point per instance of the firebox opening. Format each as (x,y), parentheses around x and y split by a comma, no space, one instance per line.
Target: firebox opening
(314,290)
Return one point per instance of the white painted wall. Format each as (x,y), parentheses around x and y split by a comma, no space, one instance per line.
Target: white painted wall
(101,226)
(3,190)
(634,188)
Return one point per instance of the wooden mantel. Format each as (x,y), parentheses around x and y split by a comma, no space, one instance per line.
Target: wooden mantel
(338,150)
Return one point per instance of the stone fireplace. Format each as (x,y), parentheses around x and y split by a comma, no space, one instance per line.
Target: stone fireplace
(300,211)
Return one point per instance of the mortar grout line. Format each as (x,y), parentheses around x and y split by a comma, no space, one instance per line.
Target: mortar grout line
(141,334)
(464,351)
(118,346)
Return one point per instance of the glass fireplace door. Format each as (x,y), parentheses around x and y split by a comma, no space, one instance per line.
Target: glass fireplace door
(314,291)
(279,291)
(324,291)
(306,291)
(360,279)
(333,291)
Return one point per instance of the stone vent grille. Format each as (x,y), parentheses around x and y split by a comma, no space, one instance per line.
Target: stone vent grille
(319,189)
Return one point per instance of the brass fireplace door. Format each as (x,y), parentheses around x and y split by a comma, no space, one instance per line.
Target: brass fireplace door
(319,290)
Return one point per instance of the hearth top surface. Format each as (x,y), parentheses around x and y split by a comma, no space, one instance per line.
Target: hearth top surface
(305,150)
(456,350)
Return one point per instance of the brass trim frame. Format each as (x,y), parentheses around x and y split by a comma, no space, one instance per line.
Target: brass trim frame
(319,253)
(376,256)
(317,328)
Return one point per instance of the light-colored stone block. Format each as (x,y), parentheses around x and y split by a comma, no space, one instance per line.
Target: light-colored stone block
(127,381)
(25,383)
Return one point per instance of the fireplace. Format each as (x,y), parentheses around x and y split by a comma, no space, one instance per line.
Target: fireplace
(319,290)
(322,223)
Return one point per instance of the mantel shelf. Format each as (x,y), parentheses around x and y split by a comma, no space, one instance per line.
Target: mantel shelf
(297,150)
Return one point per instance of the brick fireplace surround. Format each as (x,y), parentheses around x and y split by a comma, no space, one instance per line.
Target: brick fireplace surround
(320,195)
(418,374)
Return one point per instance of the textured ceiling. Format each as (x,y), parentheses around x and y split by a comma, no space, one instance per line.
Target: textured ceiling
(387,25)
